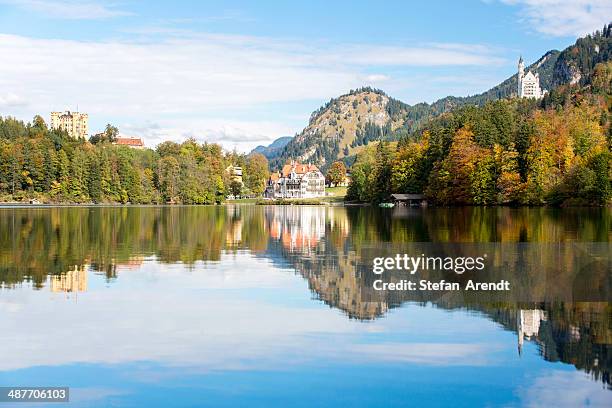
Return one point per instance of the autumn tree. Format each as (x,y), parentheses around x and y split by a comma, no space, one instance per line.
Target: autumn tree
(509,185)
(463,177)
(409,167)
(39,127)
(257,173)
(362,179)
(235,188)
(336,173)
(110,133)
(168,175)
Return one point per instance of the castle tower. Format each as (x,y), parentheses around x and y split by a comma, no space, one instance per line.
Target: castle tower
(528,325)
(74,123)
(521,75)
(528,83)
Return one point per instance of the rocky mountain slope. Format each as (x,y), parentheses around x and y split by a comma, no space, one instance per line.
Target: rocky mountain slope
(576,63)
(340,128)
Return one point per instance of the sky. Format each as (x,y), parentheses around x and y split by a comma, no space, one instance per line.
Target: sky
(243,73)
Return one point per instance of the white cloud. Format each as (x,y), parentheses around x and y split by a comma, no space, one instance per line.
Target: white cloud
(240,134)
(68,9)
(377,77)
(578,391)
(564,18)
(11,100)
(425,56)
(194,84)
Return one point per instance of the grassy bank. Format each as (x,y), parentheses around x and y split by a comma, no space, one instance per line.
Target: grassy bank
(242,201)
(333,195)
(295,201)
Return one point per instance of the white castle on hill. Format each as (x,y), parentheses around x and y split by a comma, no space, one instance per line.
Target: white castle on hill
(528,84)
(74,123)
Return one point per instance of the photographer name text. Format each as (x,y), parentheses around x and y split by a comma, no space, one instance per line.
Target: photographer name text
(413,264)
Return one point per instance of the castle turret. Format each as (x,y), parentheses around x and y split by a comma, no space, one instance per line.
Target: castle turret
(521,74)
(528,83)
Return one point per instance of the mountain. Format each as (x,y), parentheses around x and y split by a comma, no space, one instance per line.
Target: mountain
(576,63)
(340,128)
(273,149)
(343,125)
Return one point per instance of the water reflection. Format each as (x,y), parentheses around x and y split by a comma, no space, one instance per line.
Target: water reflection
(72,281)
(332,248)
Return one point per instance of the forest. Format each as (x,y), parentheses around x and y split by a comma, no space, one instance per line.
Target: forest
(37,163)
(511,151)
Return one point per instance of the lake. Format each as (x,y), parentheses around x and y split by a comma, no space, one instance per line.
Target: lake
(244,305)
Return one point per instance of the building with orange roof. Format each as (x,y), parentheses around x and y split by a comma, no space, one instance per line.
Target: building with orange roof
(134,142)
(296,180)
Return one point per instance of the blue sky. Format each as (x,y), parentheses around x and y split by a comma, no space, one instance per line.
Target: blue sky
(244,73)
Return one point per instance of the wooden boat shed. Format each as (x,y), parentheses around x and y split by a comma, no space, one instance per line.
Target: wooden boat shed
(412,200)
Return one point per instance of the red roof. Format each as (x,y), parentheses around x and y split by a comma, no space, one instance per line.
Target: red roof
(130,141)
(298,168)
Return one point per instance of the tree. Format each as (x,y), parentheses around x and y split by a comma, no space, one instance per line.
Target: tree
(336,173)
(63,173)
(168,172)
(602,78)
(408,173)
(482,179)
(50,159)
(382,173)
(463,176)
(362,180)
(39,127)
(257,173)
(235,188)
(78,176)
(601,165)
(111,133)
(95,180)
(509,185)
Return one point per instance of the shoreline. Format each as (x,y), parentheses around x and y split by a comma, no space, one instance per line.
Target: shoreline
(277,203)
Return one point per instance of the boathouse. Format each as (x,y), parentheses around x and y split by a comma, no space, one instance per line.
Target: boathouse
(413,200)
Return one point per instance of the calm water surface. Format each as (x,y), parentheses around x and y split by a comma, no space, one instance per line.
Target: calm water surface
(271,306)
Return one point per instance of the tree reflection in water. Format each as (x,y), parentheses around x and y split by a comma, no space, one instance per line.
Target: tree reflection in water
(559,302)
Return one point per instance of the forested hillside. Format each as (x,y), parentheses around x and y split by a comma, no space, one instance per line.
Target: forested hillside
(338,129)
(576,64)
(511,151)
(482,149)
(47,165)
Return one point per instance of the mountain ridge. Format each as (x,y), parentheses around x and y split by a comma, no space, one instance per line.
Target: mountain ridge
(270,151)
(339,129)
